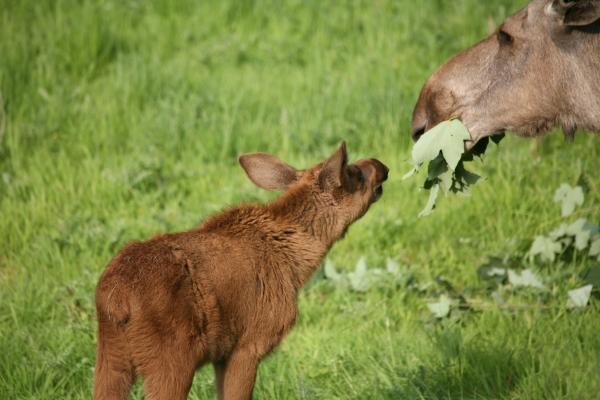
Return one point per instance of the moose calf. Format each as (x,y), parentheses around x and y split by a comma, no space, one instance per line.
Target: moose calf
(225,292)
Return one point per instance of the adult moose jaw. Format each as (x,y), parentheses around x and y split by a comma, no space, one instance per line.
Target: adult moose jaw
(539,70)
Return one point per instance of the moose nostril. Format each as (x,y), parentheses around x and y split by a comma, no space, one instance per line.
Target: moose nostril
(417,132)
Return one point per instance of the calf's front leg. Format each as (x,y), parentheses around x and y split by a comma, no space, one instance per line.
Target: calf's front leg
(235,376)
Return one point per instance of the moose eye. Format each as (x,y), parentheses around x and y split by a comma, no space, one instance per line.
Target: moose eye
(504,37)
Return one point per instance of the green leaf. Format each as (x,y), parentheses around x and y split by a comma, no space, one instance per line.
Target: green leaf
(444,148)
(582,231)
(392,267)
(595,248)
(559,232)
(332,274)
(497,138)
(546,248)
(359,279)
(591,275)
(469,177)
(579,234)
(429,183)
(582,240)
(446,181)
(448,137)
(478,150)
(579,298)
(463,178)
(492,272)
(431,202)
(526,279)
(410,173)
(497,297)
(441,308)
(569,198)
(436,167)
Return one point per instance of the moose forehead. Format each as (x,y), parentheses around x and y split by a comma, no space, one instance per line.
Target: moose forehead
(575,13)
(535,16)
(545,31)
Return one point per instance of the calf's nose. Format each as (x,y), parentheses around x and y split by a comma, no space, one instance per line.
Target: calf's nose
(382,170)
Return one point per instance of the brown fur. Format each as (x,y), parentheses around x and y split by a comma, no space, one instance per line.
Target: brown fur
(225,292)
(539,70)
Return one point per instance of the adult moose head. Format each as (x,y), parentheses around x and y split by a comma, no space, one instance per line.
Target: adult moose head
(539,70)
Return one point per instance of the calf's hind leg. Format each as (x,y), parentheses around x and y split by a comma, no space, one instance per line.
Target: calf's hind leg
(168,384)
(236,376)
(170,374)
(114,374)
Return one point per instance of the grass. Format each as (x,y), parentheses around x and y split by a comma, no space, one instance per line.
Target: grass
(122,119)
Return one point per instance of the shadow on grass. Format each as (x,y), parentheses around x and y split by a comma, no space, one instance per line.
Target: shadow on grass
(477,369)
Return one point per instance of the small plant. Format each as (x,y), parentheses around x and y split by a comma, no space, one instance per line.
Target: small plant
(580,235)
(522,275)
(362,279)
(558,246)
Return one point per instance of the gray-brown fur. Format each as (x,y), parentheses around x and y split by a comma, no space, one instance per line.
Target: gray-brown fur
(539,70)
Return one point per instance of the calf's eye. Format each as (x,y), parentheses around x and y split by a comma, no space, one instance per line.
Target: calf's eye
(360,176)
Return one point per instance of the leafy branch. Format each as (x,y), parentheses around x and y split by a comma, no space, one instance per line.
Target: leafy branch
(443,148)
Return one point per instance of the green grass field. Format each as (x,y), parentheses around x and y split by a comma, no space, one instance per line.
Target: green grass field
(122,119)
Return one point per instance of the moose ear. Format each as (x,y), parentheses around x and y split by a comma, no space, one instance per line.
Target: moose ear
(577,12)
(267,171)
(331,175)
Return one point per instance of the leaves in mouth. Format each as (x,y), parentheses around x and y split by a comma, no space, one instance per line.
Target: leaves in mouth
(443,148)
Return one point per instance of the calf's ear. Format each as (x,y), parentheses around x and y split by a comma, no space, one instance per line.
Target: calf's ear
(577,12)
(332,173)
(267,171)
